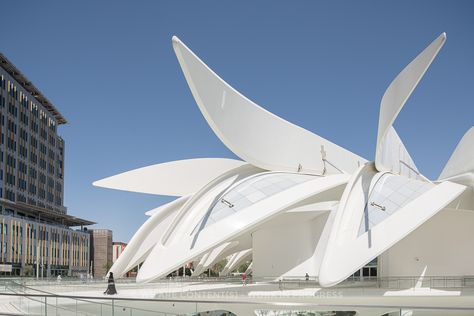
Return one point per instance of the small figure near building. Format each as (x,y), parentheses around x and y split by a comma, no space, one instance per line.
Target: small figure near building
(110,285)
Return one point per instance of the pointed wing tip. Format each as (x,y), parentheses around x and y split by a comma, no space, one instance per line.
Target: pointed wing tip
(175,40)
(97,183)
(442,38)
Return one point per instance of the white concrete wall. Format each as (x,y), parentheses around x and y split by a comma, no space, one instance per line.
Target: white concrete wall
(444,245)
(286,246)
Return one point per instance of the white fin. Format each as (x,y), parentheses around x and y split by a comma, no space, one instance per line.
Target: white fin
(461,162)
(254,134)
(175,178)
(398,93)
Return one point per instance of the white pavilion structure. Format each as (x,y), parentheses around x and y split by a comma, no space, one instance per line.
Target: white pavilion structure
(296,203)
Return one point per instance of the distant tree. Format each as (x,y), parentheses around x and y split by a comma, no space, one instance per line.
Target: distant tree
(218,267)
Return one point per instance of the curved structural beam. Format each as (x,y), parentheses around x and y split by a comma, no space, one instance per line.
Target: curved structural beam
(146,237)
(235,260)
(175,178)
(213,256)
(398,93)
(254,134)
(461,162)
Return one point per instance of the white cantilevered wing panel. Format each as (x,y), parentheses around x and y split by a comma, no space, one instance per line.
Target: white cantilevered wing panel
(398,93)
(349,247)
(175,178)
(146,237)
(462,160)
(254,134)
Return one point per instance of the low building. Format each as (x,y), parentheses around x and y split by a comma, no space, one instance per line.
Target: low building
(101,251)
(118,247)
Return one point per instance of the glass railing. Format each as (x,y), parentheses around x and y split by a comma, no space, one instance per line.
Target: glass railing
(18,298)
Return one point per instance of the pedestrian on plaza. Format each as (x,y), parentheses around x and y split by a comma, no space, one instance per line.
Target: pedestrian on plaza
(110,285)
(306,276)
(244,278)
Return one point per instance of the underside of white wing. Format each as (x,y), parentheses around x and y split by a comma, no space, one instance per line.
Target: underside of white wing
(254,134)
(236,259)
(461,162)
(398,93)
(175,178)
(376,211)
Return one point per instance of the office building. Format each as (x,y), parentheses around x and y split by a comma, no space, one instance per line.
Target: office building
(36,233)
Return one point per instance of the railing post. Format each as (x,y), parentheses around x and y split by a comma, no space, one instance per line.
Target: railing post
(45,306)
(113,308)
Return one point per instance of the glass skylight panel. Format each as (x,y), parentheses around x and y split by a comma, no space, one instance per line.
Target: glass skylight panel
(250,191)
(389,195)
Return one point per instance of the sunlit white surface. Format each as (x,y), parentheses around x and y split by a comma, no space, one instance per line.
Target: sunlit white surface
(175,178)
(254,134)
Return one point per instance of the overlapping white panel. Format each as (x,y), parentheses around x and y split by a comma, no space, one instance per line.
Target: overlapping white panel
(163,259)
(175,178)
(254,134)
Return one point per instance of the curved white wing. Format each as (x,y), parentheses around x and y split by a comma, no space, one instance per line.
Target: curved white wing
(398,93)
(254,134)
(376,211)
(175,178)
(461,161)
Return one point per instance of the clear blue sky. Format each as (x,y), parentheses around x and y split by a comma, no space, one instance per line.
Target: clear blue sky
(324,65)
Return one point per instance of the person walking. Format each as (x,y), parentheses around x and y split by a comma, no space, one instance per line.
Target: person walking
(110,285)
(244,278)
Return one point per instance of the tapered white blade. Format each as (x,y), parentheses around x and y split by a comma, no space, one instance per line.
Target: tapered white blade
(175,178)
(396,96)
(461,162)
